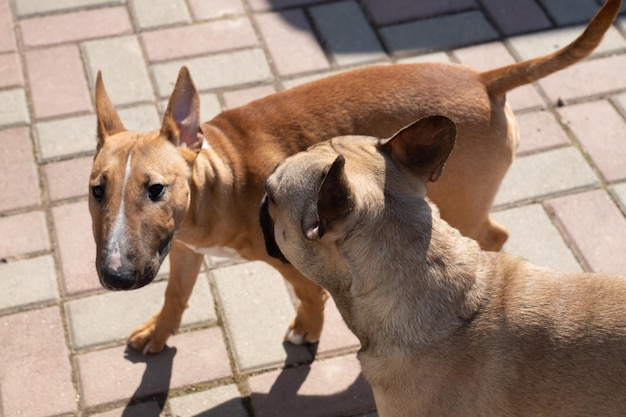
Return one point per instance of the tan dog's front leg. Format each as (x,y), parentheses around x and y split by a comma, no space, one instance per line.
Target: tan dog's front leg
(184,268)
(309,321)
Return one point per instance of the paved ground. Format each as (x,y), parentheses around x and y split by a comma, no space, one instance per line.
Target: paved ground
(62,348)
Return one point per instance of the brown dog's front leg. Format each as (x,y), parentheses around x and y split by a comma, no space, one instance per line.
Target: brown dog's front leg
(184,268)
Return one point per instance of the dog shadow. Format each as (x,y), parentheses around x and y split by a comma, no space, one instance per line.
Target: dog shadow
(155,382)
(283,399)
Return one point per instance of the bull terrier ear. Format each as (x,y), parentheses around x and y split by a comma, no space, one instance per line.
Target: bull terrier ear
(424,146)
(334,203)
(181,122)
(109,122)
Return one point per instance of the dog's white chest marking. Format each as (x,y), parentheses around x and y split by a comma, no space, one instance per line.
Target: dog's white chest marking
(217,251)
(119,225)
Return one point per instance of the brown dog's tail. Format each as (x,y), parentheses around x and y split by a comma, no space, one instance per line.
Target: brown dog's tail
(501,80)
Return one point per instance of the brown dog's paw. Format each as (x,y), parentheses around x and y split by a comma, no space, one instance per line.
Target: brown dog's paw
(298,334)
(151,336)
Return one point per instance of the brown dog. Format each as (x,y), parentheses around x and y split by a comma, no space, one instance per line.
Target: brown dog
(446,329)
(189,185)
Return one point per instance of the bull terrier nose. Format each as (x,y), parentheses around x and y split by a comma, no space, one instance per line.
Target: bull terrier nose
(119,279)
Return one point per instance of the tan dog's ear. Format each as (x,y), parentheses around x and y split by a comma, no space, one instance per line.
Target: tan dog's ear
(181,122)
(334,203)
(109,122)
(423,146)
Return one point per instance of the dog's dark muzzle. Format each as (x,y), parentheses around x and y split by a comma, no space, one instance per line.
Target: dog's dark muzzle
(121,279)
(267,226)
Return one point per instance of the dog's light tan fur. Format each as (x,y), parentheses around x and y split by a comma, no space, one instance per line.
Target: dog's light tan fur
(211,194)
(446,329)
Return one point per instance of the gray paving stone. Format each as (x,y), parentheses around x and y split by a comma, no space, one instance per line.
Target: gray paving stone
(13,107)
(142,118)
(257,309)
(620,191)
(538,175)
(570,12)
(620,100)
(222,401)
(155,13)
(123,69)
(215,71)
(516,16)
(347,35)
(110,317)
(542,43)
(26,282)
(534,237)
(34,7)
(438,33)
(63,137)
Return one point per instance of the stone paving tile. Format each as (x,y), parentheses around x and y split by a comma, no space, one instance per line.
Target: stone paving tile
(244,96)
(120,374)
(11,70)
(154,13)
(601,132)
(438,33)
(265,5)
(620,191)
(346,33)
(534,237)
(7,36)
(540,131)
(291,42)
(77,26)
(150,408)
(13,107)
(542,174)
(64,137)
(601,76)
(574,11)
(27,282)
(187,41)
(494,55)
(33,350)
(327,387)
(76,247)
(141,118)
(26,8)
(215,71)
(57,81)
(19,180)
(222,401)
(517,16)
(386,12)
(596,228)
(256,327)
(23,234)
(112,316)
(124,71)
(202,9)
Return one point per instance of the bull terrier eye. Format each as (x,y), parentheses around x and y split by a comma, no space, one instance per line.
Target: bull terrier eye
(97,191)
(156,191)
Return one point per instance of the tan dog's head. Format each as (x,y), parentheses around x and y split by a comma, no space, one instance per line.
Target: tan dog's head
(348,193)
(139,186)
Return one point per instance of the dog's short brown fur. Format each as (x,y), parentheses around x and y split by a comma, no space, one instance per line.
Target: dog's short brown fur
(163,189)
(446,329)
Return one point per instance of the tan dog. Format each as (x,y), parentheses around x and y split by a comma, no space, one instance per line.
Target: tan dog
(189,185)
(446,329)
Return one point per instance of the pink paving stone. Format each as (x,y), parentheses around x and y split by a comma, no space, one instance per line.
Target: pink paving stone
(601,131)
(7,36)
(336,337)
(595,227)
(57,81)
(117,374)
(202,9)
(36,376)
(589,78)
(67,179)
(76,247)
(385,12)
(494,55)
(240,97)
(10,70)
(199,39)
(291,42)
(329,387)
(19,180)
(540,131)
(23,234)
(73,27)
